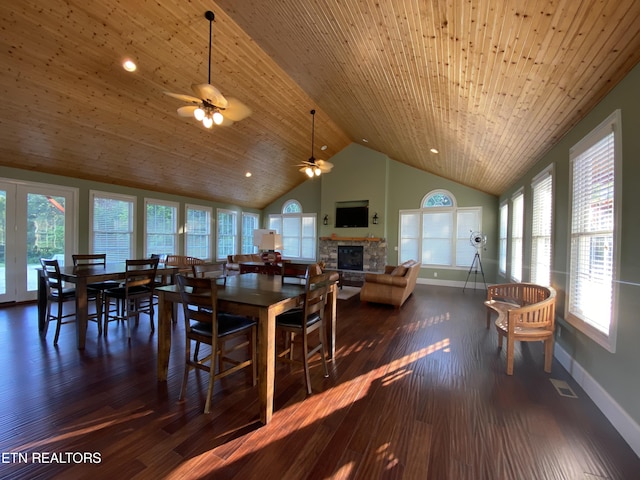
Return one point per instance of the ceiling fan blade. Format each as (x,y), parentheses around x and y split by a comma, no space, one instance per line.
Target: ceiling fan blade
(236,110)
(184,98)
(324,165)
(211,94)
(187,110)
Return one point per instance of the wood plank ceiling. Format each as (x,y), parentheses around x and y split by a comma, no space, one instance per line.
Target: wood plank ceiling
(492,85)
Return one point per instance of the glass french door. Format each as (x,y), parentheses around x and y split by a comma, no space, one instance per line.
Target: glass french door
(36,221)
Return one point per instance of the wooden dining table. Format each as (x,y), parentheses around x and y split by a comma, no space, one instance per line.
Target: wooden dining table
(261,296)
(81,276)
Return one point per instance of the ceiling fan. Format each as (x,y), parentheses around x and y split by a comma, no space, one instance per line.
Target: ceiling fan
(313,167)
(208,105)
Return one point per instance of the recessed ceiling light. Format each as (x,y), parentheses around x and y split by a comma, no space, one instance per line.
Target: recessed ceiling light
(129,65)
(365,140)
(323,147)
(248,174)
(434,150)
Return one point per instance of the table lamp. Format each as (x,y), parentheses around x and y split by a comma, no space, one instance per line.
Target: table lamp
(269,243)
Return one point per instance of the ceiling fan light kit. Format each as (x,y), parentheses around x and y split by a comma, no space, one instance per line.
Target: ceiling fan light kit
(209,104)
(312,167)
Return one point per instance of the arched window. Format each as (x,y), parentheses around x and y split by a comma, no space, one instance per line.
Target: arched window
(437,233)
(438,198)
(298,231)
(291,206)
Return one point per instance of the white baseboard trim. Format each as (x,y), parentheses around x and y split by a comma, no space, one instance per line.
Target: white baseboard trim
(450,283)
(621,421)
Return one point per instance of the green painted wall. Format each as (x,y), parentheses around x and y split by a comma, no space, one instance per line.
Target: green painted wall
(360,173)
(616,372)
(85,186)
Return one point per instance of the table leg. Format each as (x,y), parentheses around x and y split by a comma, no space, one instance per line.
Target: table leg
(331,316)
(42,300)
(165,308)
(82,312)
(266,362)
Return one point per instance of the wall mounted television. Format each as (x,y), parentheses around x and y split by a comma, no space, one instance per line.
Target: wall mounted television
(352,214)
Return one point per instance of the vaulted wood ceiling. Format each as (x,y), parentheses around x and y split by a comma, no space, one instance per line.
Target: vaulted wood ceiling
(492,85)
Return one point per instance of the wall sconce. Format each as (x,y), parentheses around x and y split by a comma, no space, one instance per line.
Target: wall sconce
(375,218)
(325,220)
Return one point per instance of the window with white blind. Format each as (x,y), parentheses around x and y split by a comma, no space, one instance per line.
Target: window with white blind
(517,225)
(249,224)
(594,209)
(502,241)
(438,233)
(298,231)
(160,227)
(197,239)
(111,218)
(541,224)
(227,233)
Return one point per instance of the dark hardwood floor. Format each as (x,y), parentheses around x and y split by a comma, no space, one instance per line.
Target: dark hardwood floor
(415,393)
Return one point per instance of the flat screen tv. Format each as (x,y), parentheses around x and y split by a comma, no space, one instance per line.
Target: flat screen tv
(349,217)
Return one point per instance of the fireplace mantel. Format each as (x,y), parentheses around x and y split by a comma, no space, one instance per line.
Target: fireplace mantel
(353,239)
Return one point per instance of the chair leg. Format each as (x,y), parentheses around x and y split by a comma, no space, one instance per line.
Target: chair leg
(305,361)
(548,354)
(510,348)
(58,324)
(185,376)
(322,335)
(253,353)
(212,374)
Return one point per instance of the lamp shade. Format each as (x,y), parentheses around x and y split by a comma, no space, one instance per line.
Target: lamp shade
(271,241)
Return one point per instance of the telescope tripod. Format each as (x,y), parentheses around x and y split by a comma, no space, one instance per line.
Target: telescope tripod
(474,267)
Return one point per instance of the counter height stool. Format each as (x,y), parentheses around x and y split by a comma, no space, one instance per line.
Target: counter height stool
(135,294)
(59,295)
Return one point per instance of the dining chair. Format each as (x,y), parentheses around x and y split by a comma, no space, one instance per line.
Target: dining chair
(135,294)
(98,260)
(302,322)
(58,294)
(210,270)
(204,324)
(293,272)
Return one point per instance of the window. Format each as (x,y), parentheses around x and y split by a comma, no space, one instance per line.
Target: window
(542,189)
(249,224)
(504,222)
(198,231)
(517,223)
(227,233)
(594,209)
(112,220)
(438,233)
(298,231)
(161,227)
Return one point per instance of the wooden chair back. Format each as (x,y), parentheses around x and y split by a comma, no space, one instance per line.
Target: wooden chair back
(199,301)
(140,273)
(315,297)
(87,259)
(51,270)
(210,270)
(295,272)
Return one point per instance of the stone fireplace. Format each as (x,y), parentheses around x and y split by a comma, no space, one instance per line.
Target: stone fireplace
(374,255)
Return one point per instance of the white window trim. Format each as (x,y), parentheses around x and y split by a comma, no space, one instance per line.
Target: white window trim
(503,255)
(548,172)
(455,210)
(256,216)
(235,233)
(518,195)
(176,207)
(209,210)
(114,196)
(614,121)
